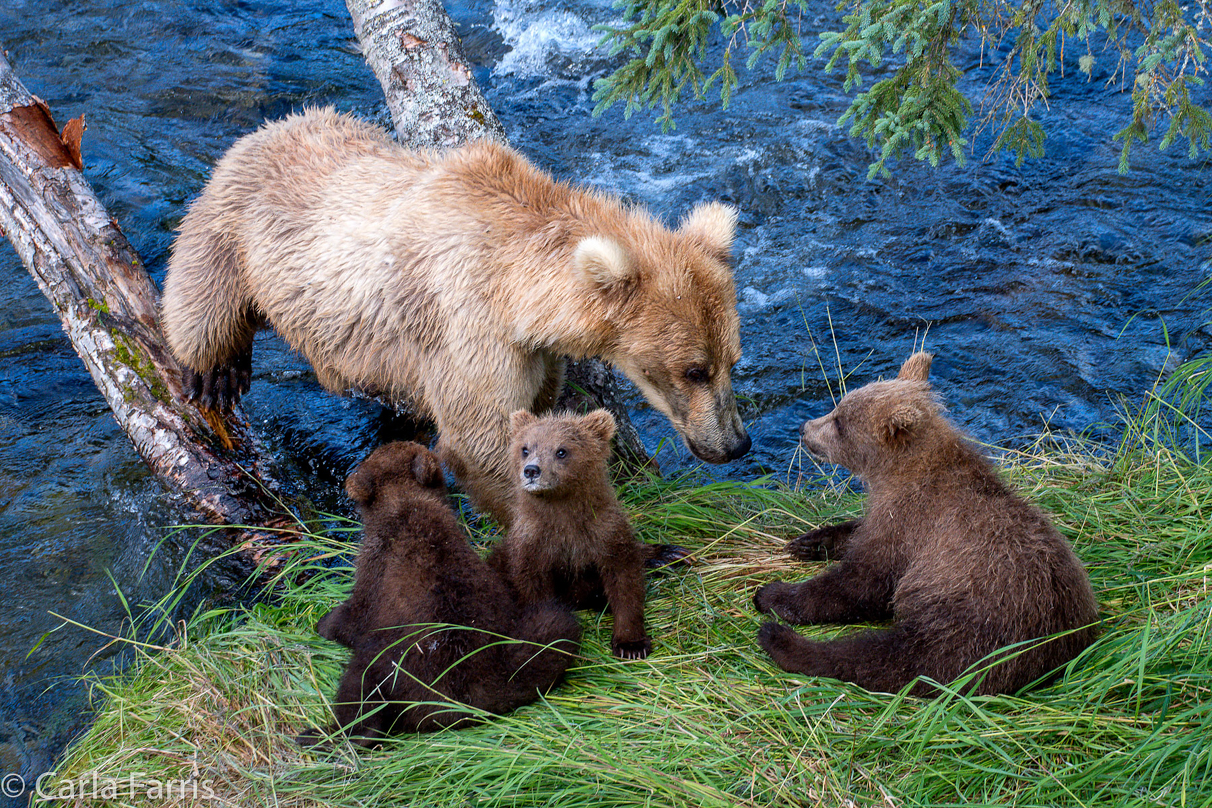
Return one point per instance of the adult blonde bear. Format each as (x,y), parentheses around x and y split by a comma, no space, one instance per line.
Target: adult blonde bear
(457,282)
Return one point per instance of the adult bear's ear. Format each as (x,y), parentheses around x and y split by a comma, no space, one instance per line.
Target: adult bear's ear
(916,367)
(600,424)
(713,225)
(603,263)
(520,419)
(427,470)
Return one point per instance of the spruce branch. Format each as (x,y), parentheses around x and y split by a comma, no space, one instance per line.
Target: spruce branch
(1160,50)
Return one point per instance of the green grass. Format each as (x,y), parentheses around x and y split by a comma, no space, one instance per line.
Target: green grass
(707,720)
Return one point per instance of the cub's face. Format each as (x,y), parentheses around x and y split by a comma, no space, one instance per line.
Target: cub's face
(875,422)
(673,303)
(847,436)
(559,455)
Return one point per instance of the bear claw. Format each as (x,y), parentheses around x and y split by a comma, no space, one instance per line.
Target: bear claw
(666,555)
(632,650)
(219,387)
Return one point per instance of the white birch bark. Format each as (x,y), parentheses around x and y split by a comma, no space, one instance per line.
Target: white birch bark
(108,305)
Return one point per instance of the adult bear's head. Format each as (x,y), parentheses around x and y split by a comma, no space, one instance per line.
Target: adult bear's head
(669,299)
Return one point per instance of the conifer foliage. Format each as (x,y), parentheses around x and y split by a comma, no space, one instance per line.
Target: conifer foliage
(1158,49)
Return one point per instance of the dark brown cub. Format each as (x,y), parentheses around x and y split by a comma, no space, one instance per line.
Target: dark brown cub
(438,637)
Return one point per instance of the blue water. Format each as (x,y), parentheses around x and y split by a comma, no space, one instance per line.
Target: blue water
(1047,291)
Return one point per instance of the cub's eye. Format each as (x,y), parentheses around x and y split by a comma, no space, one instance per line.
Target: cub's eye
(839,426)
(697,375)
(525,452)
(561,453)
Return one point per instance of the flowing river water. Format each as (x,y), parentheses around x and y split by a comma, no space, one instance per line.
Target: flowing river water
(1048,292)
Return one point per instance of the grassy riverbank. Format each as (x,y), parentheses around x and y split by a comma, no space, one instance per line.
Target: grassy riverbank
(707,720)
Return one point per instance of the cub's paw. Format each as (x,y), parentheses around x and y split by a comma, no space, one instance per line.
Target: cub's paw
(334,626)
(770,596)
(666,555)
(823,544)
(811,546)
(786,601)
(638,649)
(316,739)
(787,648)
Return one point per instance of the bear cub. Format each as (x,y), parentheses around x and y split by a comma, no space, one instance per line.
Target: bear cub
(569,538)
(959,563)
(429,622)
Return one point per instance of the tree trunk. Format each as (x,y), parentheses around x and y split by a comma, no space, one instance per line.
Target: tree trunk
(412,48)
(107,302)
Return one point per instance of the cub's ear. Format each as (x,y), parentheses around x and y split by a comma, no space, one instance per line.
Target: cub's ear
(902,423)
(360,486)
(600,424)
(713,224)
(427,470)
(520,419)
(603,263)
(916,367)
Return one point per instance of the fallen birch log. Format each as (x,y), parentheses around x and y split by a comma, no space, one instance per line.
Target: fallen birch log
(108,305)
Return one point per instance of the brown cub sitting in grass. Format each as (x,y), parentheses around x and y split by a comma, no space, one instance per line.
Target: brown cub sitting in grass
(960,564)
(569,538)
(428,620)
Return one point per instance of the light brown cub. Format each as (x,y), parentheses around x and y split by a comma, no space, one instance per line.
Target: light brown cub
(959,563)
(570,538)
(456,281)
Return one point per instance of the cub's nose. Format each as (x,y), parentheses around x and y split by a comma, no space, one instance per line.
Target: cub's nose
(531,472)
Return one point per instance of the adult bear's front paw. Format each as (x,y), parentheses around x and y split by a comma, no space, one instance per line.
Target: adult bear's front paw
(219,387)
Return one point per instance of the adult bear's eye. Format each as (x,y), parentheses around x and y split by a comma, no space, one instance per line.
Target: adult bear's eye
(525,452)
(697,375)
(561,453)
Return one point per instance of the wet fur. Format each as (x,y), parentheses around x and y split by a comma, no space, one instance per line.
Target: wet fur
(961,565)
(456,281)
(570,538)
(428,620)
